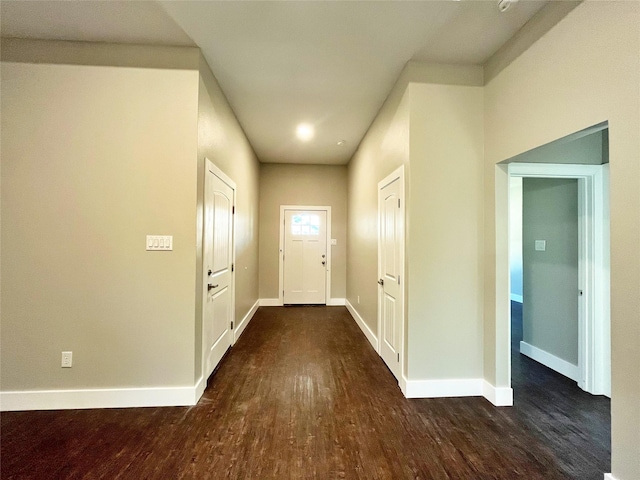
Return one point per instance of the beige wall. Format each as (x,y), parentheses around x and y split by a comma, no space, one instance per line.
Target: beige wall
(384,148)
(96,154)
(444,244)
(286,184)
(94,158)
(222,140)
(587,72)
(442,180)
(592,149)
(550,278)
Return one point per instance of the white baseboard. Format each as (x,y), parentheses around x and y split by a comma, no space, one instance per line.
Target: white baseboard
(270,302)
(373,339)
(608,476)
(275,302)
(466,387)
(548,360)
(101,398)
(245,321)
(516,298)
(499,396)
(201,385)
(335,302)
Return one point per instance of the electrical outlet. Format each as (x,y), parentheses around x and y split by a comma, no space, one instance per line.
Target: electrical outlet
(67,359)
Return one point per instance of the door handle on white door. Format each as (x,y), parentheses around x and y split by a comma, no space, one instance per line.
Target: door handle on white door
(211,287)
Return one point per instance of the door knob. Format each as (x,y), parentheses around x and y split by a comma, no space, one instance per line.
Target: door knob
(381,282)
(211,287)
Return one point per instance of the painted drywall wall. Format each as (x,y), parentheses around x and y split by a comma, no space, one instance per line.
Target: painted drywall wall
(445,232)
(591,149)
(515,238)
(388,144)
(286,184)
(384,148)
(587,72)
(94,158)
(222,140)
(550,314)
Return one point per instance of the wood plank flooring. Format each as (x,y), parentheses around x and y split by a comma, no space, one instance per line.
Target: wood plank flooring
(302,395)
(573,423)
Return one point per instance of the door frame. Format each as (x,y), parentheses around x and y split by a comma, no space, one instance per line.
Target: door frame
(327,209)
(397,174)
(210,167)
(594,338)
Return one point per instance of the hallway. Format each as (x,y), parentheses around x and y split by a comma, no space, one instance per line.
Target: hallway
(301,395)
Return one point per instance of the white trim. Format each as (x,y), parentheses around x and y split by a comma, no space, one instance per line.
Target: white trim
(594,373)
(326,208)
(373,340)
(336,302)
(516,298)
(397,174)
(466,387)
(549,360)
(270,302)
(609,476)
(402,383)
(101,398)
(499,396)
(200,387)
(245,321)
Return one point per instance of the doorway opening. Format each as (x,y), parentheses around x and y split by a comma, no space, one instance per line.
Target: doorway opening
(581,353)
(555,391)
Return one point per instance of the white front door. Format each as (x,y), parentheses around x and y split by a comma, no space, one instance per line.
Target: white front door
(217,268)
(390,242)
(305,256)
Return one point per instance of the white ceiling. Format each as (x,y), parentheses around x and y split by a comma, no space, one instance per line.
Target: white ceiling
(328,63)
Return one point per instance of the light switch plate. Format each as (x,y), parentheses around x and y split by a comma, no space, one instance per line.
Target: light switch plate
(541,245)
(159,242)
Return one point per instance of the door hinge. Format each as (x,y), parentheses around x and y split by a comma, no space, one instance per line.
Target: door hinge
(398,279)
(398,203)
(233,210)
(232,325)
(232,267)
(398,356)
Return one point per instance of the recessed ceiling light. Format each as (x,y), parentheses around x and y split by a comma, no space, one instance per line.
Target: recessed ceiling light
(305,132)
(341,143)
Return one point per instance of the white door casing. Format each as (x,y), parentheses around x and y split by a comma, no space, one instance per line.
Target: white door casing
(594,338)
(218,258)
(305,256)
(391,271)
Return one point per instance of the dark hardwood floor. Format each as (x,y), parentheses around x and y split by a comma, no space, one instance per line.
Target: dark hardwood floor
(302,395)
(573,423)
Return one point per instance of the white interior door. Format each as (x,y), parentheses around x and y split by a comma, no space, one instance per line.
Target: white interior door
(305,256)
(391,297)
(218,257)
